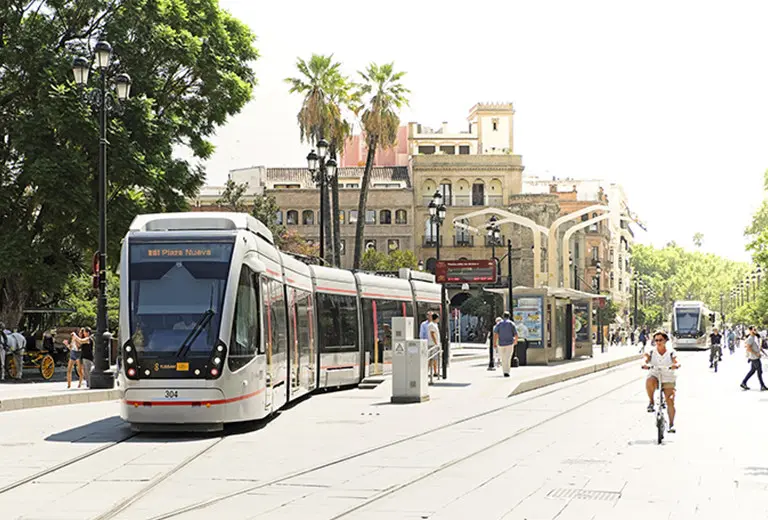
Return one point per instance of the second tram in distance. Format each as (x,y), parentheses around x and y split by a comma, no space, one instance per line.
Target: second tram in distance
(218,326)
(691,324)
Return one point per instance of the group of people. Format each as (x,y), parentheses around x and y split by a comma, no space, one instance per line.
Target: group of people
(80,347)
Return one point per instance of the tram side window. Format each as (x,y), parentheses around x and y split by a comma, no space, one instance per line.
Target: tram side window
(275,322)
(304,332)
(377,323)
(337,323)
(245,327)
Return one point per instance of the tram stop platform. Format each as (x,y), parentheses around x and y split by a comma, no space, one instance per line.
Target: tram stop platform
(468,369)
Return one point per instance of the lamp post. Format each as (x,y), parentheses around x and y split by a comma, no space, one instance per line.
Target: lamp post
(600,339)
(573,263)
(323,171)
(493,236)
(101,377)
(436,217)
(634,318)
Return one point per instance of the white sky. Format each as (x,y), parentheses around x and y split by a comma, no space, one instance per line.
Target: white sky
(667,97)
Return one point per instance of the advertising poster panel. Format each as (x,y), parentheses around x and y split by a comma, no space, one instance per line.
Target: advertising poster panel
(528,312)
(581,322)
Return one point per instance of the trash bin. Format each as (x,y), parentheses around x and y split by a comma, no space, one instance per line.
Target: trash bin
(521,351)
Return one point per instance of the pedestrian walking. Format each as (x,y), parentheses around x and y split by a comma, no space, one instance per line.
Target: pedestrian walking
(643,338)
(753,353)
(433,340)
(506,337)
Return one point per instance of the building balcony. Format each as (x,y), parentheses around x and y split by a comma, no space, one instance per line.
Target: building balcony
(427,241)
(495,200)
(500,242)
(463,240)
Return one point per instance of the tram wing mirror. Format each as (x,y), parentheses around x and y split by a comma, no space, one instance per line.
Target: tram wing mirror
(255,264)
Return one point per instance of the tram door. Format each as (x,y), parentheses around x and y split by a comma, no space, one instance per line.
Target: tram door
(269,340)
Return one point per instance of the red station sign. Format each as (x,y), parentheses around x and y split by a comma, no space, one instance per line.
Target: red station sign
(466,271)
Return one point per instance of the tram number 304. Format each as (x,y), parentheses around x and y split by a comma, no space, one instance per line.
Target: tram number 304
(171,394)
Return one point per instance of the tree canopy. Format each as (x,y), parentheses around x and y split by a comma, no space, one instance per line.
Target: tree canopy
(376,261)
(676,274)
(190,63)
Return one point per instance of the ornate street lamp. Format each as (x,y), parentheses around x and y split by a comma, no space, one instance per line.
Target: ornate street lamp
(104,101)
(437,213)
(600,339)
(493,231)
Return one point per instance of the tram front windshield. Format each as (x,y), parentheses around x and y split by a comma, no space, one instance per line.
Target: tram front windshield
(176,297)
(688,321)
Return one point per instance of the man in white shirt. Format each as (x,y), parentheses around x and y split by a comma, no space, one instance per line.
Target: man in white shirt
(433,339)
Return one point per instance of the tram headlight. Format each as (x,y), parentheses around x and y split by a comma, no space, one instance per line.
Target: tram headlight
(128,348)
(129,361)
(131,372)
(147,372)
(216,361)
(220,348)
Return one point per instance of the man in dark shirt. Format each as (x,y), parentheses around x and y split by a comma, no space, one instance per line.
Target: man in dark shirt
(505,334)
(715,349)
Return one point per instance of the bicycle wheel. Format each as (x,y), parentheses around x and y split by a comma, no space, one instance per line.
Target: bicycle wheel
(660,429)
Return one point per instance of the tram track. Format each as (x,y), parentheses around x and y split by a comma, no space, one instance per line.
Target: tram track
(130,500)
(64,464)
(340,460)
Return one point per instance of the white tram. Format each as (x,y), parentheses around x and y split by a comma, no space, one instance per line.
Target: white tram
(218,326)
(691,323)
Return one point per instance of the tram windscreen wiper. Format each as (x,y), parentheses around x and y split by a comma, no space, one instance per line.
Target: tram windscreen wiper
(204,319)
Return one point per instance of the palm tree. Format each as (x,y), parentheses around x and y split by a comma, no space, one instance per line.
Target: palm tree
(380,123)
(326,93)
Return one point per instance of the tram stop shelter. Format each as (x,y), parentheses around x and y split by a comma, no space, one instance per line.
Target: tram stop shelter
(556,323)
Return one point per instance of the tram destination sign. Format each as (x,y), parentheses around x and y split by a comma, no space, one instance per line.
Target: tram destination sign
(466,271)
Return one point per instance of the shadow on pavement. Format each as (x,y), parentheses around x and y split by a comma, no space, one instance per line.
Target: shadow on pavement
(448,384)
(113,429)
(104,430)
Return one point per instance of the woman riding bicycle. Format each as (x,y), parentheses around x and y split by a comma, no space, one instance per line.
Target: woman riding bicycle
(662,360)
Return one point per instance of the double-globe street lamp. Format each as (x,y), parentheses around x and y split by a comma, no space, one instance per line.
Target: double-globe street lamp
(101,377)
(436,217)
(323,171)
(494,233)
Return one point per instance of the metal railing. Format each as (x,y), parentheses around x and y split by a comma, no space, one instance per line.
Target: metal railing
(462,200)
(500,242)
(463,240)
(495,200)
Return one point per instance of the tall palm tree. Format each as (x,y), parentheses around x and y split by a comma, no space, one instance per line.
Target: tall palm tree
(326,93)
(385,95)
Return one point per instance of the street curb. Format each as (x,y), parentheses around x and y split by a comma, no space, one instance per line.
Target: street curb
(71,397)
(540,382)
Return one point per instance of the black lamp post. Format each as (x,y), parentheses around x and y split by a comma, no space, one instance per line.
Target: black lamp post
(323,171)
(102,377)
(436,217)
(573,263)
(600,339)
(493,237)
(634,318)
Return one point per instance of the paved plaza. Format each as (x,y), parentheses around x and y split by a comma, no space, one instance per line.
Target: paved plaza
(580,449)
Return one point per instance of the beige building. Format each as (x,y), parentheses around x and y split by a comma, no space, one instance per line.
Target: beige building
(472,170)
(610,242)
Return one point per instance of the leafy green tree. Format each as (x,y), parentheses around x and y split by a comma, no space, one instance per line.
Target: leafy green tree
(265,210)
(190,63)
(232,196)
(78,293)
(676,274)
(698,239)
(385,96)
(375,261)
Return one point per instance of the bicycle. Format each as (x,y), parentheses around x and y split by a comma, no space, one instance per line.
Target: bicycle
(661,419)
